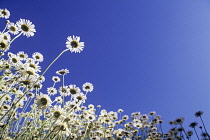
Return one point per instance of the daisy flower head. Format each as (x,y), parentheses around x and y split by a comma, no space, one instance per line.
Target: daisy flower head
(74,45)
(14,59)
(198,113)
(38,57)
(62,128)
(56,79)
(43,101)
(87,87)
(22,55)
(26,26)
(120,110)
(13,29)
(58,99)
(51,91)
(57,111)
(74,90)
(64,91)
(90,117)
(3,45)
(62,72)
(80,97)
(4,13)
(5,37)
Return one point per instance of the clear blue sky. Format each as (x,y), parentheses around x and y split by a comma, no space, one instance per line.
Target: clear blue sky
(141,55)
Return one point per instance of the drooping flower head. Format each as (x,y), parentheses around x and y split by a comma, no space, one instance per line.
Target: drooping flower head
(74,45)
(26,26)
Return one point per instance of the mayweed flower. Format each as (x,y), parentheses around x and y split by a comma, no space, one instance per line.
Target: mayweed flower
(189,133)
(38,57)
(144,118)
(74,90)
(43,101)
(62,128)
(198,113)
(3,45)
(64,91)
(13,29)
(74,45)
(26,27)
(57,112)
(87,87)
(22,55)
(51,91)
(58,99)
(152,113)
(4,13)
(5,37)
(120,111)
(80,97)
(179,120)
(62,72)
(193,124)
(56,79)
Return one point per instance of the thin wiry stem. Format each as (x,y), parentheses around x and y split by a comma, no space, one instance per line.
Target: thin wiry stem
(184,132)
(204,127)
(10,43)
(196,133)
(33,83)
(62,89)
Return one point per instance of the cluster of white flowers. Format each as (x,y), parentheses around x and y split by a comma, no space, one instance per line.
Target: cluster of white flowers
(27,112)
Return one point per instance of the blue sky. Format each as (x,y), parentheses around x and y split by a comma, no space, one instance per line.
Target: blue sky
(141,55)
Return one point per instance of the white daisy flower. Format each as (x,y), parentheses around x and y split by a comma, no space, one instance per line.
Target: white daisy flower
(14,59)
(26,80)
(74,90)
(57,112)
(4,13)
(87,87)
(5,37)
(90,117)
(58,99)
(3,45)
(33,65)
(38,57)
(43,101)
(62,128)
(41,79)
(120,110)
(74,45)
(80,97)
(51,91)
(56,79)
(26,27)
(13,29)
(64,91)
(22,55)
(62,72)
